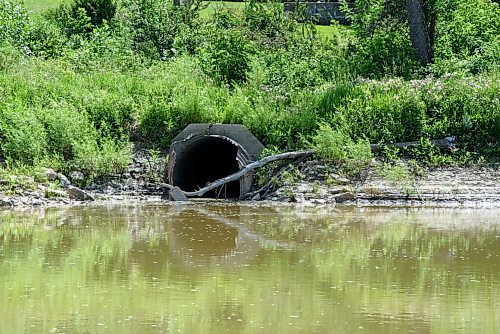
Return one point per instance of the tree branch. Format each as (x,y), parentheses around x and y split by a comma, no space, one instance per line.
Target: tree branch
(248,168)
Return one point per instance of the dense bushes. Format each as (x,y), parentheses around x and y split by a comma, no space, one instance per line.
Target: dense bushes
(338,147)
(158,27)
(82,16)
(226,55)
(469,38)
(75,88)
(13,22)
(395,110)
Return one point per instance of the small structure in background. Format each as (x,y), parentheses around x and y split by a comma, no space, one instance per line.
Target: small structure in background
(321,12)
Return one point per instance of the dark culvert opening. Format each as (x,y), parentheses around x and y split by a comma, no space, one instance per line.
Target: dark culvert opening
(206,159)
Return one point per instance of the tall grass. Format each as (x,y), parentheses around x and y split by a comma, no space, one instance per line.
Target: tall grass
(74,98)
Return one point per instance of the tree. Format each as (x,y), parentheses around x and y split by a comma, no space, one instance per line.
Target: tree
(421,30)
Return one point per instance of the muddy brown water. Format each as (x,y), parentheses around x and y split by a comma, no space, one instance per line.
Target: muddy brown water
(240,269)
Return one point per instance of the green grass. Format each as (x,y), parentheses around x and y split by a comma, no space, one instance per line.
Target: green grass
(38,6)
(326,31)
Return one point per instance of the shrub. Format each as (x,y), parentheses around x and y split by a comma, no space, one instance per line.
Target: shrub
(13,22)
(466,107)
(45,39)
(337,147)
(395,110)
(266,18)
(80,17)
(226,55)
(385,53)
(66,129)
(102,159)
(158,25)
(468,37)
(383,111)
(23,137)
(303,65)
(107,47)
(172,99)
(381,43)
(9,57)
(99,11)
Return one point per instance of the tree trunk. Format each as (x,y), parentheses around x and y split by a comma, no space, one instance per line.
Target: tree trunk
(419,32)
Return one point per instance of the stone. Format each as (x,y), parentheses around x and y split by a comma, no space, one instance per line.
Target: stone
(115,185)
(303,187)
(256,197)
(319,201)
(5,201)
(76,176)
(78,194)
(176,194)
(51,174)
(339,179)
(36,202)
(135,172)
(348,196)
(336,190)
(64,180)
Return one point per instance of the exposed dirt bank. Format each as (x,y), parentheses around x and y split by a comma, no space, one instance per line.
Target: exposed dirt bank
(311,183)
(394,185)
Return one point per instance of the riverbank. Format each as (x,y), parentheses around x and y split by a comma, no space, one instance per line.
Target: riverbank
(310,183)
(397,184)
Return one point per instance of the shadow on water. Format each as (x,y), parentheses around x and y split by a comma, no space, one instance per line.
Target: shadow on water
(213,268)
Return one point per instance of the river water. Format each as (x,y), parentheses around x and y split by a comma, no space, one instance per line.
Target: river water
(240,269)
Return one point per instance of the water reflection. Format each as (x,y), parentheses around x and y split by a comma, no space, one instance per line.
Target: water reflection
(240,269)
(197,240)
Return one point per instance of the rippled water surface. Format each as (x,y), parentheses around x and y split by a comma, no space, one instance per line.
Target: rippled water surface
(242,269)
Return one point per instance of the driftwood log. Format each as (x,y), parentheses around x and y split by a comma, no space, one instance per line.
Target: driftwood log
(178,194)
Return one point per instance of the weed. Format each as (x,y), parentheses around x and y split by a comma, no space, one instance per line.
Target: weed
(156,166)
(337,147)
(315,187)
(399,176)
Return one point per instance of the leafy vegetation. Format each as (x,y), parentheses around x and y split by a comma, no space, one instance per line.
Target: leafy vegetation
(82,79)
(338,147)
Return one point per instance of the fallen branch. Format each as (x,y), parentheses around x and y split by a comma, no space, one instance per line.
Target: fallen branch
(448,143)
(245,170)
(268,186)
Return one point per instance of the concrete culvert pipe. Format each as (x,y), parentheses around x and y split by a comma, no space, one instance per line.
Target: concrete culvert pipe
(203,153)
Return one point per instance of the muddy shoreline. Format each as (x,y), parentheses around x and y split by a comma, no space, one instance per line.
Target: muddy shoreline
(312,183)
